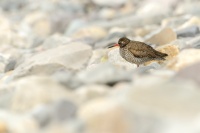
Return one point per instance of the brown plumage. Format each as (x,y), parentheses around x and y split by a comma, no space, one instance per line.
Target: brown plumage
(138,52)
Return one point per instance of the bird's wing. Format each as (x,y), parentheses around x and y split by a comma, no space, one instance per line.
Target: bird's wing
(141,50)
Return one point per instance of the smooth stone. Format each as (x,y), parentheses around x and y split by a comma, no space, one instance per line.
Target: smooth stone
(58,111)
(161,37)
(74,126)
(67,78)
(191,22)
(95,32)
(147,67)
(104,74)
(3,127)
(9,52)
(65,110)
(14,39)
(11,34)
(10,66)
(194,42)
(185,58)
(111,3)
(17,123)
(39,89)
(49,61)
(104,115)
(165,73)
(170,105)
(97,56)
(156,9)
(74,26)
(6,24)
(188,32)
(182,43)
(55,41)
(190,73)
(188,7)
(39,23)
(164,2)
(175,22)
(145,30)
(107,13)
(91,91)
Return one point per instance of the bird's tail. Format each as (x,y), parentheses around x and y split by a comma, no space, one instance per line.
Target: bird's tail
(161,55)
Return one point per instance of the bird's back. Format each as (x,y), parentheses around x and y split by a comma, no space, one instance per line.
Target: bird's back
(139,52)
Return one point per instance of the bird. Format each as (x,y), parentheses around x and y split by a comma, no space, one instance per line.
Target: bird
(137,52)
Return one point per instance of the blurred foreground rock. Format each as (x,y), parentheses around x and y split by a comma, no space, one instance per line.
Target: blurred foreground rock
(57,74)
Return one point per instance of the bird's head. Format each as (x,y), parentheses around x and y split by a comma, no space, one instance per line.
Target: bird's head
(123,42)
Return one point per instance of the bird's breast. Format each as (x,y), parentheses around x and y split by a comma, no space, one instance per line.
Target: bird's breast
(128,56)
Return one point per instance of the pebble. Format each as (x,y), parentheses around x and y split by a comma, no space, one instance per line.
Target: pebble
(55,41)
(107,113)
(39,23)
(185,58)
(92,31)
(20,101)
(92,91)
(164,36)
(104,74)
(3,127)
(188,32)
(190,73)
(161,104)
(49,61)
(58,111)
(112,3)
(191,22)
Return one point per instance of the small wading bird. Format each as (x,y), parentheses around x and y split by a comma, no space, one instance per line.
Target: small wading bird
(137,52)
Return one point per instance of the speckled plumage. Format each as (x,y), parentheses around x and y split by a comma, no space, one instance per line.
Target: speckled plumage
(138,52)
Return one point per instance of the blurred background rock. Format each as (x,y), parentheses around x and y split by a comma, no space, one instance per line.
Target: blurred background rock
(57,75)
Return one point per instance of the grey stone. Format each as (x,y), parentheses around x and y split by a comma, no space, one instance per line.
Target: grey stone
(65,110)
(72,56)
(190,73)
(10,65)
(58,111)
(188,8)
(146,69)
(74,26)
(161,36)
(185,58)
(193,42)
(17,123)
(159,102)
(112,3)
(39,89)
(188,32)
(104,74)
(67,78)
(92,91)
(55,41)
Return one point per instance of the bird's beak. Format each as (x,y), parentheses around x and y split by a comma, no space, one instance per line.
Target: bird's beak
(113,45)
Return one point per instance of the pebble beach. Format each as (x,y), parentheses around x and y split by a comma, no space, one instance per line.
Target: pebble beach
(57,74)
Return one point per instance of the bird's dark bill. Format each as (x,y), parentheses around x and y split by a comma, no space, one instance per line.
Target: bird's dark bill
(113,45)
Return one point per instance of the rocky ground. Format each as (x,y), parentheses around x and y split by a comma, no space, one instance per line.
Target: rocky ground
(57,75)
